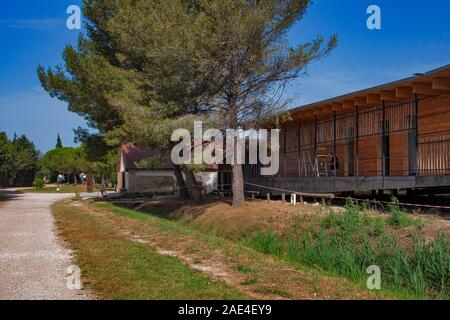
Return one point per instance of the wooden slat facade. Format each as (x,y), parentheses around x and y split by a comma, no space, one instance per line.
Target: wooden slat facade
(398,130)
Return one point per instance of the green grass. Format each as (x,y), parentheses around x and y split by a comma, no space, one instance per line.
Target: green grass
(347,244)
(65,188)
(399,218)
(179,227)
(116,268)
(252,266)
(123,212)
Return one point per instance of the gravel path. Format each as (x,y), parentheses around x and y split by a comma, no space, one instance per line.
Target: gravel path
(33,262)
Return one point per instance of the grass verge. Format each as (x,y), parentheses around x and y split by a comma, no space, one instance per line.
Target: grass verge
(117,268)
(65,188)
(348,244)
(412,251)
(242,271)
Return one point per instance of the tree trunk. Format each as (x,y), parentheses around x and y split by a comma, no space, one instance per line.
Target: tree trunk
(184,193)
(193,188)
(238,186)
(75,178)
(238,177)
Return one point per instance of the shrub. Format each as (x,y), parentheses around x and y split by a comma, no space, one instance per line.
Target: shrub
(351,219)
(39,183)
(331,220)
(376,226)
(398,217)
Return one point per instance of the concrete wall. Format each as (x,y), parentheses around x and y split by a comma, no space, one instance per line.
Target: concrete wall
(138,181)
(141,181)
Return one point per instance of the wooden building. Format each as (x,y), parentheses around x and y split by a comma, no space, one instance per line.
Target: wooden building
(393,136)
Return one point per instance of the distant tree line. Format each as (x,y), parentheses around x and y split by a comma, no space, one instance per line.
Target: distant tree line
(19,161)
(72,161)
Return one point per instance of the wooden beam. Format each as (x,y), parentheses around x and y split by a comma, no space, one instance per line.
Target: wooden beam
(387,95)
(441,84)
(318,111)
(327,109)
(360,101)
(305,114)
(404,92)
(309,113)
(373,98)
(348,105)
(337,107)
(426,88)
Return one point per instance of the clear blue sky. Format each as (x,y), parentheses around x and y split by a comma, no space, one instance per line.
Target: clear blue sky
(415,37)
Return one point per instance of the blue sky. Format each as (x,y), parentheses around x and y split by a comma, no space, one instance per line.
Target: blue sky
(415,37)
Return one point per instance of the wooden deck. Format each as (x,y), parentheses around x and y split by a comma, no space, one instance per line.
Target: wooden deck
(348,184)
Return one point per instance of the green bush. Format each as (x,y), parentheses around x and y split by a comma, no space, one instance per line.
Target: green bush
(351,220)
(39,183)
(398,217)
(331,220)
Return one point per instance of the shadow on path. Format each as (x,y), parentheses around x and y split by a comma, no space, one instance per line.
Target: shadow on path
(6,195)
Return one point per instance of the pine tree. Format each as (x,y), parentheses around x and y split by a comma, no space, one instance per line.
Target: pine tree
(146,67)
(59,144)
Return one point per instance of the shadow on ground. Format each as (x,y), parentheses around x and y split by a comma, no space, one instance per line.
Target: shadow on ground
(6,195)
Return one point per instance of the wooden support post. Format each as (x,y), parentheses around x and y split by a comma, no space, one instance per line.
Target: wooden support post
(324,201)
(268,197)
(315,139)
(334,149)
(294,199)
(283,198)
(302,200)
(383,133)
(299,146)
(285,150)
(357,144)
(416,101)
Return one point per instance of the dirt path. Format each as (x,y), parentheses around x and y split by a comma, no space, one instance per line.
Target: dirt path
(33,262)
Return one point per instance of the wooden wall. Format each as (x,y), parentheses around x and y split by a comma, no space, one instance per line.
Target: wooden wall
(434,136)
(434,126)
